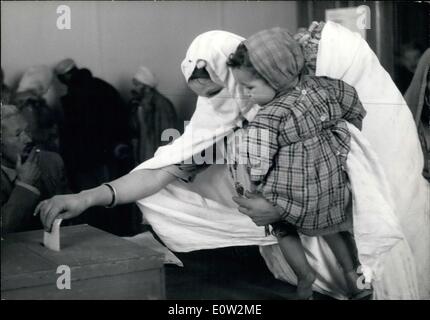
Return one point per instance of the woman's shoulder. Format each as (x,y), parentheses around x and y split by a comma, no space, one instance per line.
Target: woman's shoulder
(320,81)
(326,82)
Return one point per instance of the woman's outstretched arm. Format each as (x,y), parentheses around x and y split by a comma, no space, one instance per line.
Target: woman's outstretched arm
(129,188)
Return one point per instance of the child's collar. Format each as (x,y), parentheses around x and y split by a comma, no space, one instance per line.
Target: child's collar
(297,86)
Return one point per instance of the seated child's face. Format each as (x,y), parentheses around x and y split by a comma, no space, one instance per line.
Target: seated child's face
(205,87)
(257,89)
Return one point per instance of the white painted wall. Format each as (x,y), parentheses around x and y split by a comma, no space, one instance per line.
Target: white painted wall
(114,38)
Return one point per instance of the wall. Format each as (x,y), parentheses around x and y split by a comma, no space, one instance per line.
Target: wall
(113,38)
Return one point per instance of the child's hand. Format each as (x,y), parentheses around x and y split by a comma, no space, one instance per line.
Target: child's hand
(261,211)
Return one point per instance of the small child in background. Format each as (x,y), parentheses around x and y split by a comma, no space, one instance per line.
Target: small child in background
(308,142)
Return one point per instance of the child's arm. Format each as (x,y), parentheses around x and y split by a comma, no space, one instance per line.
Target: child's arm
(259,209)
(353,110)
(261,143)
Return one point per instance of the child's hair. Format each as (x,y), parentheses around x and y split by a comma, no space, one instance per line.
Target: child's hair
(240,59)
(199,73)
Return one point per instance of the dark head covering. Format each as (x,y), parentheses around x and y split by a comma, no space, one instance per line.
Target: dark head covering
(276,56)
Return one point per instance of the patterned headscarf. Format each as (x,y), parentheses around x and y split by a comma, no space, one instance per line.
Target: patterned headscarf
(276,56)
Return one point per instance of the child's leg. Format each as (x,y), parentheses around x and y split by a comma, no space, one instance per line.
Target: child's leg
(344,256)
(352,247)
(293,251)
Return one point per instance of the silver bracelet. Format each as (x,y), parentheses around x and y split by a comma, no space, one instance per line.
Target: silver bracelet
(114,197)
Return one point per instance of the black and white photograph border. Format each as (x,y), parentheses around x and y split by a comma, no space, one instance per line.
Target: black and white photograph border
(213,151)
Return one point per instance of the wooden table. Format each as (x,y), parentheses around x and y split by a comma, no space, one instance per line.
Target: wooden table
(102,266)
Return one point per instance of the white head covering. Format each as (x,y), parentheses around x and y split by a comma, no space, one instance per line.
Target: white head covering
(64,66)
(37,79)
(145,76)
(214,117)
(215,47)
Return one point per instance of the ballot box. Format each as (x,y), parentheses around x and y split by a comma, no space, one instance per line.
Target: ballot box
(92,264)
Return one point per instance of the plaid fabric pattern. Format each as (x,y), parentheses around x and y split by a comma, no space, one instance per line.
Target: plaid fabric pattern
(309,40)
(308,143)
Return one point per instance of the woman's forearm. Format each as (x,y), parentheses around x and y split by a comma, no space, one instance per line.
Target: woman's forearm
(129,188)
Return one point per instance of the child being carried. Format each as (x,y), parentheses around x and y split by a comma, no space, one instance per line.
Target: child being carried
(296,149)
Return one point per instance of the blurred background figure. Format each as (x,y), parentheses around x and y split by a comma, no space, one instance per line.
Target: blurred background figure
(418,99)
(5,91)
(150,114)
(31,97)
(37,79)
(94,135)
(28,175)
(94,128)
(407,62)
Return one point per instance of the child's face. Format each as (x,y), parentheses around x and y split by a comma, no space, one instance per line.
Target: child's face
(204,87)
(255,88)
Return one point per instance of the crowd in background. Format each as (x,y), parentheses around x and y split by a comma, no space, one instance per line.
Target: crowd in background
(95,134)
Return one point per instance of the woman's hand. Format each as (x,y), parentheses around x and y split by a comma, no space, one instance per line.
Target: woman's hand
(260,210)
(60,207)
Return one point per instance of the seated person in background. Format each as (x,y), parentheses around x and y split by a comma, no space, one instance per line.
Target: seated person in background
(28,174)
(418,99)
(42,121)
(150,114)
(5,91)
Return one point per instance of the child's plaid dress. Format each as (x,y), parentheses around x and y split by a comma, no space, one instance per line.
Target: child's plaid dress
(298,161)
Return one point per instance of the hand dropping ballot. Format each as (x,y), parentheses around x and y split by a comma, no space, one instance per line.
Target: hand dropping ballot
(51,240)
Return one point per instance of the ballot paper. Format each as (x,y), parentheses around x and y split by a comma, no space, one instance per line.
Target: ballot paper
(51,240)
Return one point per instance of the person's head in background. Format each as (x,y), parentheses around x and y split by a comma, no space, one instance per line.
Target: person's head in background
(268,64)
(28,104)
(144,81)
(410,54)
(30,98)
(36,79)
(15,137)
(65,70)
(24,99)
